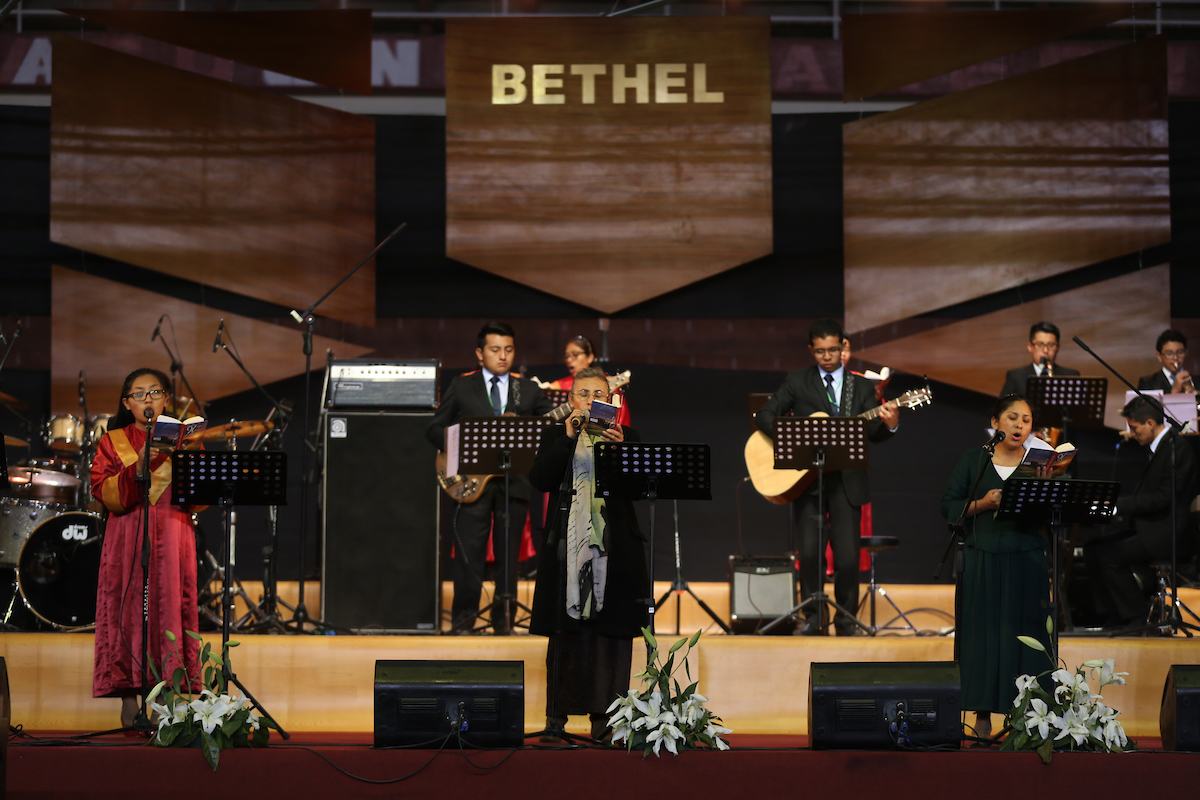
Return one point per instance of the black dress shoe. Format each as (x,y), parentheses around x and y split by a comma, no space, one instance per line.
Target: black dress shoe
(846,630)
(808,629)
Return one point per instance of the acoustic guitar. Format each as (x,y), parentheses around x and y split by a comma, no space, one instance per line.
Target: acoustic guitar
(785,485)
(468,488)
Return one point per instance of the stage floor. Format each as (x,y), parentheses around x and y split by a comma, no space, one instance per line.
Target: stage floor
(758,684)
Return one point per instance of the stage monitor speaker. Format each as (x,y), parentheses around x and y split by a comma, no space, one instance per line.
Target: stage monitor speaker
(379,568)
(761,588)
(6,720)
(879,705)
(421,703)
(1179,717)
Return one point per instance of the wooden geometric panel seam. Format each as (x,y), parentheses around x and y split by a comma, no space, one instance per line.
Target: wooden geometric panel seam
(104,328)
(608,161)
(1004,184)
(1118,318)
(228,186)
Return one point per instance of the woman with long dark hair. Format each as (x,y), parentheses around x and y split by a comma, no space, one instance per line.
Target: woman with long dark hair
(580,355)
(120,460)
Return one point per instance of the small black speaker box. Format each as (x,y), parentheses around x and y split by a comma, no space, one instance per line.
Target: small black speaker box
(1179,717)
(421,703)
(761,588)
(864,706)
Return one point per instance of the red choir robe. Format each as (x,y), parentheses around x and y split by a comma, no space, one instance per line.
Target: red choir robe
(172,589)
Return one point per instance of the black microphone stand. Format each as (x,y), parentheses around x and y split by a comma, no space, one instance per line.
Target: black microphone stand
(1176,621)
(141,722)
(177,368)
(958,528)
(300,615)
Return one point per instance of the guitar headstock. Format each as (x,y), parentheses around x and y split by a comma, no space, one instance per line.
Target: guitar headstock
(620,379)
(915,398)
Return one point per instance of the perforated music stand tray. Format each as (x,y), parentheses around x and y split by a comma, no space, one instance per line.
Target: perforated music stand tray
(228,477)
(800,443)
(1073,400)
(485,443)
(654,471)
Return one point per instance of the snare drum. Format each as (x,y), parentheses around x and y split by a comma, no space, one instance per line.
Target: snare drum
(18,520)
(64,433)
(97,427)
(47,485)
(59,569)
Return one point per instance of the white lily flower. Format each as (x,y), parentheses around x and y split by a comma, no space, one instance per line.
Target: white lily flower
(254,720)
(666,733)
(653,713)
(1114,733)
(1109,676)
(1024,684)
(715,731)
(1070,724)
(210,711)
(1039,717)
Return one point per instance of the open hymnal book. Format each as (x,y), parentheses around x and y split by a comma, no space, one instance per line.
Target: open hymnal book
(171,432)
(1039,453)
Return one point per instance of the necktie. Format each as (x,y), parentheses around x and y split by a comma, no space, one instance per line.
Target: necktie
(829,391)
(497,406)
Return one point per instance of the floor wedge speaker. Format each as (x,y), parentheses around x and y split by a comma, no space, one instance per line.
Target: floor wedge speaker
(761,588)
(1179,717)
(422,703)
(379,567)
(884,705)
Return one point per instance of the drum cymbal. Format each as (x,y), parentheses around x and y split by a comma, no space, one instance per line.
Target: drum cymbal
(12,402)
(12,441)
(231,430)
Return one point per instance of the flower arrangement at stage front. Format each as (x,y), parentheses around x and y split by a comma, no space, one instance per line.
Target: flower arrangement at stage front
(1071,717)
(212,719)
(662,714)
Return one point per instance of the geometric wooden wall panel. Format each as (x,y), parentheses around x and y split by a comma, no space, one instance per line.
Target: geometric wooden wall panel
(246,190)
(1118,318)
(1007,183)
(104,328)
(331,47)
(608,161)
(882,52)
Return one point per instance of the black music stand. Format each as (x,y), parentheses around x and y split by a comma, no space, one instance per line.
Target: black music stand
(838,443)
(1063,402)
(1058,502)
(492,446)
(228,478)
(653,471)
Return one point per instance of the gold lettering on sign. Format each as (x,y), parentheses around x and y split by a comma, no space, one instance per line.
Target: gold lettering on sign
(587,78)
(640,83)
(508,84)
(543,82)
(546,88)
(666,78)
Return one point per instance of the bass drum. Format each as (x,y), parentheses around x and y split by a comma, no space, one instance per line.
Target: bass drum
(59,570)
(14,614)
(18,519)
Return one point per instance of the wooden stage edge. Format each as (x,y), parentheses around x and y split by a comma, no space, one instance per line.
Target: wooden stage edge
(758,684)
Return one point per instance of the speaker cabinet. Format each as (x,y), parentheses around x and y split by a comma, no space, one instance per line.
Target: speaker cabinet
(380,522)
(421,703)
(1179,717)
(864,706)
(6,720)
(761,588)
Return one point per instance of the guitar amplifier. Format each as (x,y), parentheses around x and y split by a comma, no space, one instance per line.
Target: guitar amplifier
(369,383)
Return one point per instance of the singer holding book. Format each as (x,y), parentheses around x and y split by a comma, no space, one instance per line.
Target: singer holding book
(120,459)
(592,620)
(1003,586)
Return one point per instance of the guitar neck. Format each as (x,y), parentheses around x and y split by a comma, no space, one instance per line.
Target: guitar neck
(903,401)
(560,413)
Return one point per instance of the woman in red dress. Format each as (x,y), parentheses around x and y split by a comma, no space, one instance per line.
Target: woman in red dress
(580,355)
(120,459)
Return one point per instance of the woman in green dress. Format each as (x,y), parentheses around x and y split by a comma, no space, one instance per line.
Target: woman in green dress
(1004,587)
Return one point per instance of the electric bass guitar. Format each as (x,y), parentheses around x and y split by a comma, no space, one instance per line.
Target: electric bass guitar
(785,485)
(468,488)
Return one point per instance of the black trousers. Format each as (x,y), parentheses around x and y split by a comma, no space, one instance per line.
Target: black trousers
(846,527)
(1110,561)
(471,526)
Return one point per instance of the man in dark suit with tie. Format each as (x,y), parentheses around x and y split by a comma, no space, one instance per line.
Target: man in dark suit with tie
(1043,344)
(829,387)
(1171,348)
(492,390)
(1147,514)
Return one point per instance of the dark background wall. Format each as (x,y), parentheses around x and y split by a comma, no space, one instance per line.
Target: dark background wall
(416,283)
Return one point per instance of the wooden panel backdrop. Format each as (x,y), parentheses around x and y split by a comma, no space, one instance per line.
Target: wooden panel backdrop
(609,203)
(327,46)
(104,328)
(882,52)
(968,194)
(225,185)
(1119,318)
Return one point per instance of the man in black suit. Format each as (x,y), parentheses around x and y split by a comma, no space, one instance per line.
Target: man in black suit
(1172,378)
(492,390)
(1147,513)
(829,387)
(1043,350)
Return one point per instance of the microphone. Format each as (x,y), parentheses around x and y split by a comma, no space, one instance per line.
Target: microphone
(157,328)
(148,413)
(217,341)
(995,440)
(579,422)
